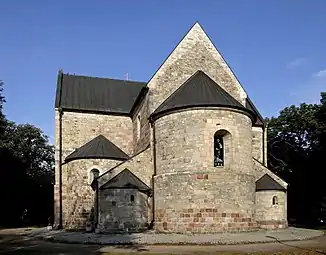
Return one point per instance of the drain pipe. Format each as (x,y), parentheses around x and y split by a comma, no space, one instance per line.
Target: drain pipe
(60,167)
(263,145)
(153,176)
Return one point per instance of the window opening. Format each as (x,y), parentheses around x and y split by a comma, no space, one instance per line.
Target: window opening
(218,150)
(275,200)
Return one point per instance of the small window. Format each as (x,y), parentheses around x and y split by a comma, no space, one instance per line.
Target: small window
(275,200)
(138,126)
(114,203)
(132,198)
(94,173)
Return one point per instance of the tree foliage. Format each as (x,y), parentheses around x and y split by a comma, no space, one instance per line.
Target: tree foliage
(27,168)
(296,140)
(2,117)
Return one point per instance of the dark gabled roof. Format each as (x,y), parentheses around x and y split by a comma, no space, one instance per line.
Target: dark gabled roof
(260,122)
(199,90)
(268,183)
(126,180)
(92,94)
(98,148)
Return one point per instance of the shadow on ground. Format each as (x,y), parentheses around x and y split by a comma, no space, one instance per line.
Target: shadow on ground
(28,244)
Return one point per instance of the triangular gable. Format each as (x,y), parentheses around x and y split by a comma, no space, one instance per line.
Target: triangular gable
(126,180)
(198,90)
(268,183)
(194,52)
(98,148)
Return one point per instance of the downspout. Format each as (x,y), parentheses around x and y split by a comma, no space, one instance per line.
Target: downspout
(264,145)
(60,167)
(153,176)
(97,206)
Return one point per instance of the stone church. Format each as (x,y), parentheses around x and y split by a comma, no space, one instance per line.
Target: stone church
(184,152)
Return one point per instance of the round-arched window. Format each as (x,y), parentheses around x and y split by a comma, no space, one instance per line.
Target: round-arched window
(222,145)
(275,200)
(95,173)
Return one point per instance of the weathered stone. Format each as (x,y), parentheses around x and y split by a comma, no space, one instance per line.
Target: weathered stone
(174,156)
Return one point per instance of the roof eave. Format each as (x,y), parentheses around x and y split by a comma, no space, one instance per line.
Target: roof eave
(158,114)
(57,103)
(68,160)
(139,99)
(101,112)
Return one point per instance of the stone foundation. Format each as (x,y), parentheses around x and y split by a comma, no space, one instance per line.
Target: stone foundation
(273,224)
(205,220)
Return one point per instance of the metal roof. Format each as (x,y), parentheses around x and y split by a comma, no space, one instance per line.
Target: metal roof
(83,93)
(199,90)
(98,148)
(268,183)
(126,180)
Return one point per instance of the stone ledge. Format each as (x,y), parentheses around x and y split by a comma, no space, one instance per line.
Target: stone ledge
(150,238)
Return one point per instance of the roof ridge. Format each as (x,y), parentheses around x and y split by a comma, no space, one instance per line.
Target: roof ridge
(104,78)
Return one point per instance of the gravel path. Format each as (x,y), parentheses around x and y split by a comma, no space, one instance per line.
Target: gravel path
(150,238)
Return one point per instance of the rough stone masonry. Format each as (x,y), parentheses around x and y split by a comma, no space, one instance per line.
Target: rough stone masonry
(184,152)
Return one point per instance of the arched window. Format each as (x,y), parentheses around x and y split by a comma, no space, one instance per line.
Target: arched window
(218,150)
(275,200)
(94,174)
(132,198)
(138,126)
(222,147)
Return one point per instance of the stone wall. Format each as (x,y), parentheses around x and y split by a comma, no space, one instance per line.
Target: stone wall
(123,210)
(78,196)
(204,202)
(184,140)
(195,52)
(269,215)
(142,140)
(257,143)
(78,129)
(187,180)
(140,165)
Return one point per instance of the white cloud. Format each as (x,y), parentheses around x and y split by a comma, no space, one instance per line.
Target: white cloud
(320,74)
(296,63)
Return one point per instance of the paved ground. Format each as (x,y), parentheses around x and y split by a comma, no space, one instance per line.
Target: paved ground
(22,242)
(151,238)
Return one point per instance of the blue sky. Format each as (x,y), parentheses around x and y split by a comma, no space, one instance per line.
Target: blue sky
(276,48)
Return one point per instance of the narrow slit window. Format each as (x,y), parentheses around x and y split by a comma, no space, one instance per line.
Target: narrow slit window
(275,200)
(218,150)
(138,126)
(132,198)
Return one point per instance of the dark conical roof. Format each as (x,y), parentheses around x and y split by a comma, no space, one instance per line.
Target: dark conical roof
(126,180)
(98,148)
(199,90)
(268,183)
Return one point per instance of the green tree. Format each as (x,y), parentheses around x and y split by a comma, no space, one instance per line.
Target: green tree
(27,172)
(295,153)
(2,116)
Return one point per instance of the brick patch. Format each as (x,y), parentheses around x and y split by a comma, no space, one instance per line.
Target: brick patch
(272,224)
(205,220)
